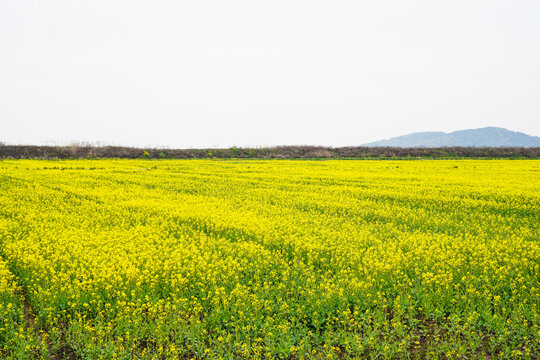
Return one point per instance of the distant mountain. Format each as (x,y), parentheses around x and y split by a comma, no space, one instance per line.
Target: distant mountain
(484,137)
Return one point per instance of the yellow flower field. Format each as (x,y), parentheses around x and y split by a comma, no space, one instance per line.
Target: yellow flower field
(181,259)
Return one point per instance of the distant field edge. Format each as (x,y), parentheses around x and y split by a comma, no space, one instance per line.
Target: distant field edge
(278,152)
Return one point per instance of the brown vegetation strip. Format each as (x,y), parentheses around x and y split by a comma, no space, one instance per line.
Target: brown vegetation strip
(279,152)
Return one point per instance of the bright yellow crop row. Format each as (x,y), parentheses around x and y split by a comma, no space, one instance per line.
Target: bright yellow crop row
(124,259)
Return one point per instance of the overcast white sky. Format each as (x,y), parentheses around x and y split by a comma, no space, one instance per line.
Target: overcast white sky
(213,73)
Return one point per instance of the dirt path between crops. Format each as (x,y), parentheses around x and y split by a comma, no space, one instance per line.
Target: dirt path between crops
(65,352)
(30,319)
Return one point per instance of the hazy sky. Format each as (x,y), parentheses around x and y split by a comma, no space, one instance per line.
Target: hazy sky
(210,73)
